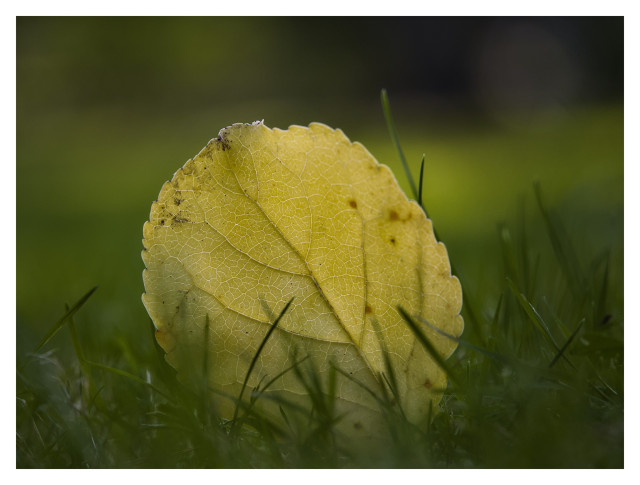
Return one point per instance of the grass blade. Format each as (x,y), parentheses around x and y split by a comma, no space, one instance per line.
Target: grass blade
(493,355)
(259,392)
(128,375)
(507,250)
(60,323)
(537,320)
(386,108)
(74,338)
(565,254)
(428,346)
(420,201)
(257,354)
(567,343)
(524,250)
(533,314)
(205,401)
(602,295)
(80,355)
(390,375)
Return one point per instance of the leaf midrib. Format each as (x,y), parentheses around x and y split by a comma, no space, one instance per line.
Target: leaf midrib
(311,274)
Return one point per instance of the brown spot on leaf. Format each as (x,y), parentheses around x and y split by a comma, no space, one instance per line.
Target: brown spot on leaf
(177,201)
(393,241)
(222,142)
(428,384)
(162,222)
(357,425)
(353,204)
(368,310)
(400,215)
(188,168)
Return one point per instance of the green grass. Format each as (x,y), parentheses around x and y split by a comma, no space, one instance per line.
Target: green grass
(536,380)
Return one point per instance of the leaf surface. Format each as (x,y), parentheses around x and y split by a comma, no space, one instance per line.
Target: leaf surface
(262,215)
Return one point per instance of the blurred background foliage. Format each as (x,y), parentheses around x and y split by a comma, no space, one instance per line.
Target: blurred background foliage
(109,108)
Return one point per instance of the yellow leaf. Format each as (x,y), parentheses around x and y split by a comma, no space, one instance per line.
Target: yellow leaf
(260,216)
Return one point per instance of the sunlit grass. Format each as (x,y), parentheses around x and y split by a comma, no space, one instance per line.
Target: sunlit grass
(537,383)
(536,380)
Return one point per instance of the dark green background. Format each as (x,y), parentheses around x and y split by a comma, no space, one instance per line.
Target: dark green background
(109,108)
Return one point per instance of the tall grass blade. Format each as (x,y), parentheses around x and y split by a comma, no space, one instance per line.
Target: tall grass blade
(285,417)
(602,296)
(313,388)
(205,401)
(562,248)
(533,314)
(259,392)
(363,386)
(428,346)
(496,314)
(77,348)
(60,323)
(471,313)
(567,343)
(80,355)
(130,376)
(493,355)
(257,354)
(205,355)
(524,251)
(280,374)
(390,374)
(420,187)
(537,320)
(386,108)
(508,256)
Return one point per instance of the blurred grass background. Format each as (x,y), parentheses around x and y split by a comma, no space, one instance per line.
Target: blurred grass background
(109,108)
